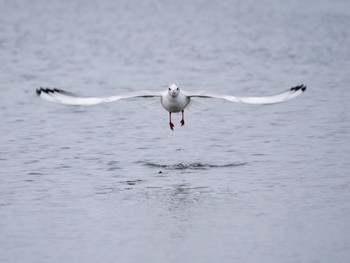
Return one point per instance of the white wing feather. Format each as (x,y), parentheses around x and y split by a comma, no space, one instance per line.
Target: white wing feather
(277,98)
(67,98)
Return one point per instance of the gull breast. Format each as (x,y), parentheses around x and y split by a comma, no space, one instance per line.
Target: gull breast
(176,104)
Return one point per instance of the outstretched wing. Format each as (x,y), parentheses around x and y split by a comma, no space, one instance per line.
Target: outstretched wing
(67,98)
(278,98)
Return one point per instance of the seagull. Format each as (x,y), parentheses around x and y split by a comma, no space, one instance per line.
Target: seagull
(172,99)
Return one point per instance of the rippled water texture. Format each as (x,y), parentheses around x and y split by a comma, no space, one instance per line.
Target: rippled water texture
(237,183)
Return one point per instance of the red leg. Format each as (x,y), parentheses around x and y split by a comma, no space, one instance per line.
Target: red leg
(170,123)
(182,120)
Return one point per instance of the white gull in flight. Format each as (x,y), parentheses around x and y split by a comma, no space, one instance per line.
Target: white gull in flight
(173,99)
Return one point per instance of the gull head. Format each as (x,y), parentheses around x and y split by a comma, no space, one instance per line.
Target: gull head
(173,90)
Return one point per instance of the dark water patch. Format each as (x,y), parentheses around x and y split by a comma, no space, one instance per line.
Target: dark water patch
(131,182)
(19,120)
(113,165)
(180,150)
(32,161)
(63,167)
(112,162)
(29,181)
(34,173)
(65,148)
(111,169)
(191,165)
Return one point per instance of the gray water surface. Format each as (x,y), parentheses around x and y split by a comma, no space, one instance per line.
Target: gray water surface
(237,183)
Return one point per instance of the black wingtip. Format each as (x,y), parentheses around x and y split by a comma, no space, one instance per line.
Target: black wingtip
(46,90)
(38,91)
(296,88)
(52,91)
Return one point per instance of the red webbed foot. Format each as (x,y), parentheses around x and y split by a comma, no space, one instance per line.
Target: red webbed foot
(171,125)
(182,122)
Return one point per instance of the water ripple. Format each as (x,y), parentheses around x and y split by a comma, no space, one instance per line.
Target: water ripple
(190,165)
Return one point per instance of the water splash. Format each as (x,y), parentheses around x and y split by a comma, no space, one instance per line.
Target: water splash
(190,165)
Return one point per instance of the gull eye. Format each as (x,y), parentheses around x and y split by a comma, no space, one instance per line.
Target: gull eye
(169,88)
(177,89)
